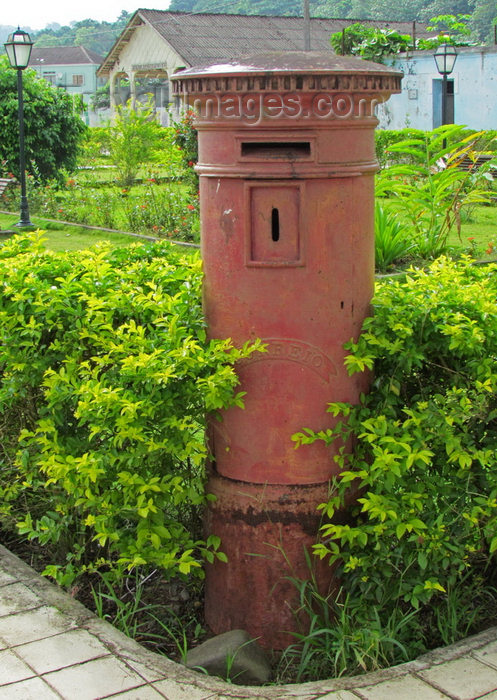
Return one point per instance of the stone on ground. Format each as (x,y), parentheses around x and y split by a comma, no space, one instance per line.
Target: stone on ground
(234,656)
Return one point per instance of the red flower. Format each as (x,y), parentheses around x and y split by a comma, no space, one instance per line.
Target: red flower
(60,211)
(191,207)
(191,163)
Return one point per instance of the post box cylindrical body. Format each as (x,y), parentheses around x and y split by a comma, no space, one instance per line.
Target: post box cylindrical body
(286,164)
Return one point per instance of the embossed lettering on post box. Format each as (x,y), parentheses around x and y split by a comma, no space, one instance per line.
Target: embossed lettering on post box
(274,224)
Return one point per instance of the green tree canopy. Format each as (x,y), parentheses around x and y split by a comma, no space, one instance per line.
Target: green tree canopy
(93,35)
(52,129)
(484,18)
(330,8)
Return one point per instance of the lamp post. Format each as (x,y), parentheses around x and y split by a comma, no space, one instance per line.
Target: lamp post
(18,48)
(445,58)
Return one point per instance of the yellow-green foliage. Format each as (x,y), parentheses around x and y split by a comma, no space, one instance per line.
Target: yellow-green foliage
(105,379)
(424,466)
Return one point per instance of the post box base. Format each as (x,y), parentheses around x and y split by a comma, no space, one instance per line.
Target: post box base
(267,532)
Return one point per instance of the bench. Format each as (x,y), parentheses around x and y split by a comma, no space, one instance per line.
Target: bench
(4,183)
(474,163)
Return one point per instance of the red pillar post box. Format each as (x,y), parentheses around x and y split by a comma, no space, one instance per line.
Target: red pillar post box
(286,164)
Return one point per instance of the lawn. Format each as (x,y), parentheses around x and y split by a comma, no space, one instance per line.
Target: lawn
(479,229)
(478,233)
(63,237)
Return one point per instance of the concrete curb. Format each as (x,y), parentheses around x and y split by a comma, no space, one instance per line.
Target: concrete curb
(422,678)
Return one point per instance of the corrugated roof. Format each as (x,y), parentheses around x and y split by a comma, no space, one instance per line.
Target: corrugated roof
(63,56)
(200,38)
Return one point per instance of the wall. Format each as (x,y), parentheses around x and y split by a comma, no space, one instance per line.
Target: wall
(475,91)
(147,55)
(63,77)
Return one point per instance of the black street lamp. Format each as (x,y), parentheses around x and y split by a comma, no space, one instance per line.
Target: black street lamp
(18,48)
(445,58)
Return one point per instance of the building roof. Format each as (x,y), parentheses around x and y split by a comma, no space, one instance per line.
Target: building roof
(63,56)
(201,38)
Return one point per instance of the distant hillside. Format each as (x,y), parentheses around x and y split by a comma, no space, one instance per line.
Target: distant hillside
(100,36)
(5,30)
(483,12)
(93,35)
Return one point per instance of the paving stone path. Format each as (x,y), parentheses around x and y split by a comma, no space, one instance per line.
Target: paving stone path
(53,647)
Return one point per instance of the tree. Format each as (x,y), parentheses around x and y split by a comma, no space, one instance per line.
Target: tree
(101,99)
(454,26)
(369,42)
(331,8)
(93,35)
(52,130)
(445,7)
(135,137)
(182,5)
(406,11)
(361,9)
(484,19)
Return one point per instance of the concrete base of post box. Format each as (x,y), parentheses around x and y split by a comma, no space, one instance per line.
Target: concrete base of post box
(267,533)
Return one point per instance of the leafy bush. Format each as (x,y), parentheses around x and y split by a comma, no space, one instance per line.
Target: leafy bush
(384,138)
(105,379)
(134,138)
(369,42)
(381,45)
(392,243)
(421,480)
(431,189)
(156,208)
(52,129)
(485,142)
(185,138)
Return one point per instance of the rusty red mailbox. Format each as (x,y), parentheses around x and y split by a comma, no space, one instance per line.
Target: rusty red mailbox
(286,164)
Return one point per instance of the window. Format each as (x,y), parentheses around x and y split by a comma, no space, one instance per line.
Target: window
(77,79)
(49,77)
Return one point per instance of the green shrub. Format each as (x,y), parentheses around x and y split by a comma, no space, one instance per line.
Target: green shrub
(422,479)
(430,189)
(133,138)
(186,140)
(53,131)
(105,379)
(384,138)
(166,209)
(485,141)
(392,243)
(369,42)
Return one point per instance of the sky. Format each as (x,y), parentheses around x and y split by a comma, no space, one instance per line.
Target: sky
(36,14)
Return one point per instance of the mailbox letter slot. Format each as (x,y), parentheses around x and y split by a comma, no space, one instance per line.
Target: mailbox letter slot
(274,226)
(287,150)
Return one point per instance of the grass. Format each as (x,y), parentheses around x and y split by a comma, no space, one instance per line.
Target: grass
(480,224)
(63,237)
(478,231)
(105,173)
